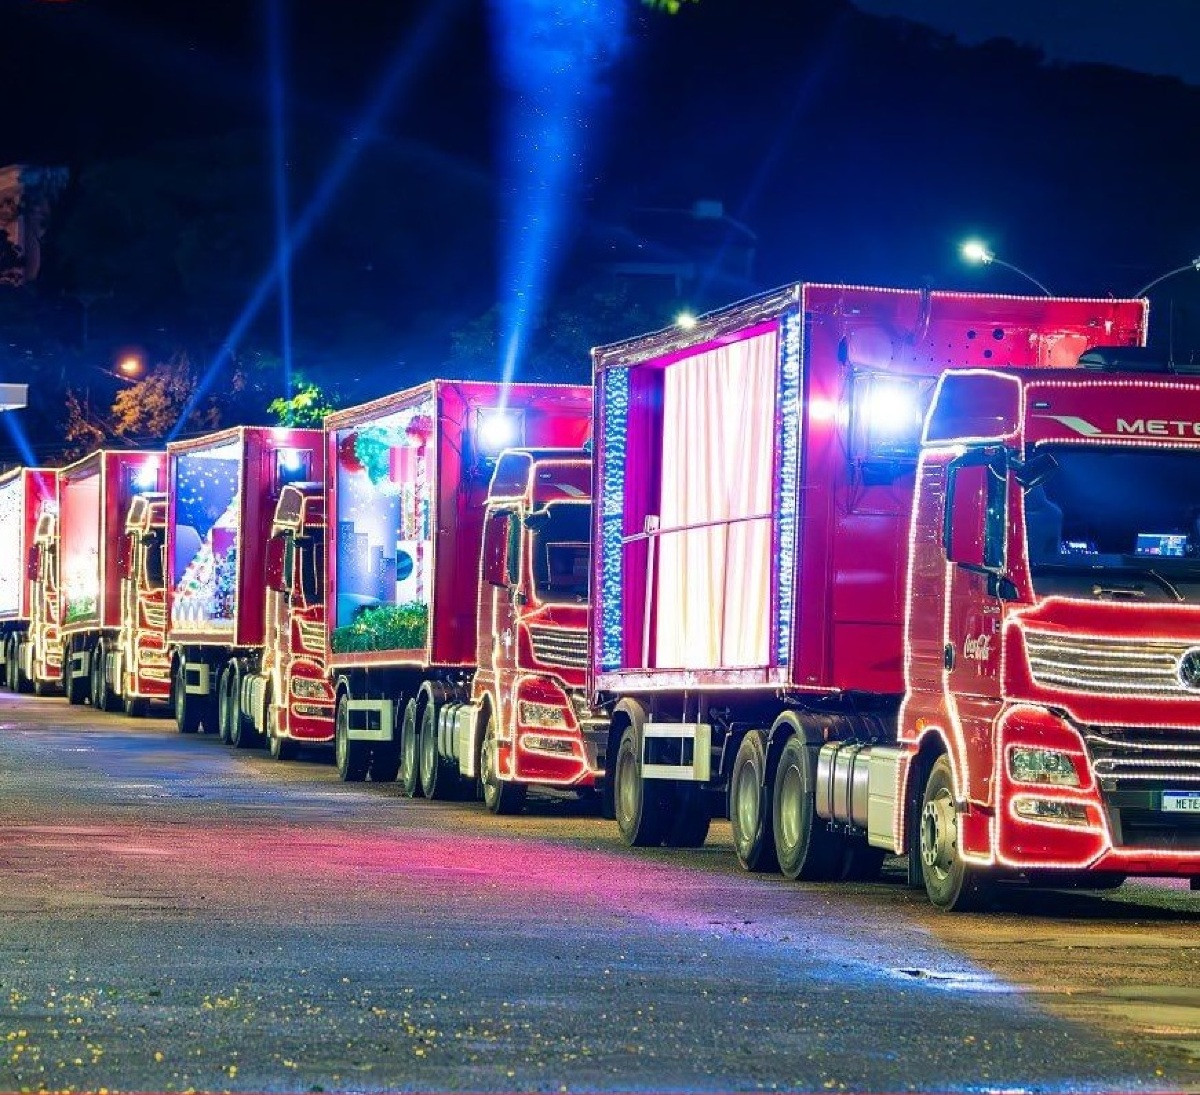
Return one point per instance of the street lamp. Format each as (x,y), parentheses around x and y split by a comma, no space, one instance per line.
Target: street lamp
(975,251)
(130,365)
(1193,265)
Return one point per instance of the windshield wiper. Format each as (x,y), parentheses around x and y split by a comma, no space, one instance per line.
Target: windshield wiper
(1162,582)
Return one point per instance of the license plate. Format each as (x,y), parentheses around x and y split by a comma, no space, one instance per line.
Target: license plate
(1185,802)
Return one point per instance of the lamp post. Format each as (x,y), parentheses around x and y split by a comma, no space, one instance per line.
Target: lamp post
(1193,265)
(975,251)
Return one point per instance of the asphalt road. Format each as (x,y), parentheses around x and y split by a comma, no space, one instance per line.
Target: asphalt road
(176,916)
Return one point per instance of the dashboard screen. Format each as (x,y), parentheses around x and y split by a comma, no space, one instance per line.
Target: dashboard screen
(1161,543)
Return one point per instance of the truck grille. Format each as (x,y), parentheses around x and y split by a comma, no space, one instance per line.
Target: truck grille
(1140,755)
(1108,667)
(156,616)
(312,635)
(553,646)
(1133,766)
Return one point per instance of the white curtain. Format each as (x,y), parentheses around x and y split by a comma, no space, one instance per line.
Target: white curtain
(713,594)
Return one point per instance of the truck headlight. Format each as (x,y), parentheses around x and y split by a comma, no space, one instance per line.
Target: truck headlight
(547,715)
(1027,765)
(308,688)
(1041,809)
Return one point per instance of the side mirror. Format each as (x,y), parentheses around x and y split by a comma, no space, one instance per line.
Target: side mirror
(975,522)
(495,550)
(274,568)
(128,546)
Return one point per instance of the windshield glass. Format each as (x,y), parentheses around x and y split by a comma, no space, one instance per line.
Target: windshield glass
(155,561)
(1116,524)
(560,552)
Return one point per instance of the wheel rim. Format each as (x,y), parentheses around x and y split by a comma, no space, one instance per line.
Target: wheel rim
(340,743)
(939,834)
(746,803)
(628,792)
(489,775)
(791,796)
(428,755)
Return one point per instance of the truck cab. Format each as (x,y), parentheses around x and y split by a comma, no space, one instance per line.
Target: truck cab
(290,698)
(1053,672)
(41,654)
(529,688)
(142,666)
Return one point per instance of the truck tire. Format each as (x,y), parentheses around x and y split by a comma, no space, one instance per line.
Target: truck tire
(351,757)
(242,734)
(410,752)
(43,687)
(500,796)
(279,745)
(76,688)
(951,883)
(640,804)
(136,707)
(750,805)
(224,714)
(12,666)
(438,779)
(187,709)
(805,848)
(104,699)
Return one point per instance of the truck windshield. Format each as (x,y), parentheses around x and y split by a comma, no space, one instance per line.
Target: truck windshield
(560,552)
(155,561)
(1116,524)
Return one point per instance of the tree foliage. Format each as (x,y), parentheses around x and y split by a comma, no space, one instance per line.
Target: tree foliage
(150,408)
(307,406)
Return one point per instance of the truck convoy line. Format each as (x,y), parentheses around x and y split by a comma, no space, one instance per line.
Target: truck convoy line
(872,572)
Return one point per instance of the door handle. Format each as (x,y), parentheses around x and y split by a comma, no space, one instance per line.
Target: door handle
(948,655)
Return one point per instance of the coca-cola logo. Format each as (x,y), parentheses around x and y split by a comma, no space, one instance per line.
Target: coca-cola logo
(1189,668)
(978,648)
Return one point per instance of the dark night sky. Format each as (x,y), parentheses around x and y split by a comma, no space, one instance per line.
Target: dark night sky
(855,145)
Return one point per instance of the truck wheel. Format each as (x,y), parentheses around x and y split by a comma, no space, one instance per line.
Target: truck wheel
(137,707)
(410,752)
(187,709)
(42,687)
(640,803)
(103,697)
(500,796)
(437,777)
(12,672)
(350,756)
(76,688)
(225,715)
(242,734)
(804,847)
(750,805)
(950,883)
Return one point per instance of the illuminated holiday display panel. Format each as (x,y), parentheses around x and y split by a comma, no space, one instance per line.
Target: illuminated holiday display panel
(203,563)
(79,547)
(384,537)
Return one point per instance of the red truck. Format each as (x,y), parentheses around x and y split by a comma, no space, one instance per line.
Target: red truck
(456,614)
(25,493)
(140,666)
(83,570)
(879,571)
(221,500)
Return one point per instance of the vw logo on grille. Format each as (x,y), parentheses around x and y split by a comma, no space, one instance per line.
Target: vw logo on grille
(1189,668)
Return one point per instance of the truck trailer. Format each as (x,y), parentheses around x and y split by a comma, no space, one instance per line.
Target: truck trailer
(896,572)
(221,500)
(25,493)
(82,566)
(456,589)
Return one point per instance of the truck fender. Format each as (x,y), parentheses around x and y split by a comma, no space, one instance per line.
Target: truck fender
(931,745)
(627,712)
(787,725)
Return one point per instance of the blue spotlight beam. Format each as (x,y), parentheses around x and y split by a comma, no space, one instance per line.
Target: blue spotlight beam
(275,36)
(552,56)
(19,440)
(401,71)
